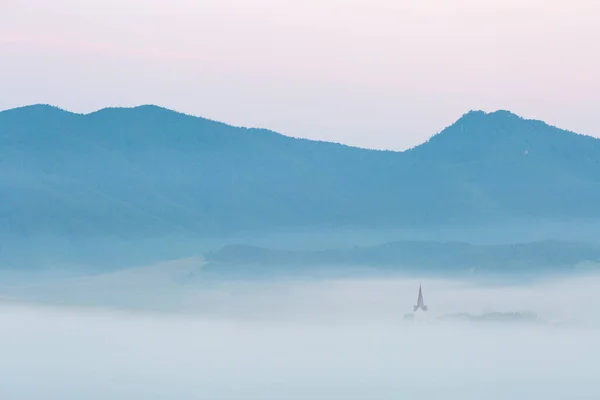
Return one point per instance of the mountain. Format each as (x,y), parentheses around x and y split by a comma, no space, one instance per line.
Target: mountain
(502,163)
(147,173)
(147,170)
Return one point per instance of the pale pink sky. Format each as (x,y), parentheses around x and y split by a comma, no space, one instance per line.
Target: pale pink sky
(373,73)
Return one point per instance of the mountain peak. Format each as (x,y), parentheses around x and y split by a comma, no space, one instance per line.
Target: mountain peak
(40,108)
(146,108)
(478,129)
(480,115)
(42,113)
(501,135)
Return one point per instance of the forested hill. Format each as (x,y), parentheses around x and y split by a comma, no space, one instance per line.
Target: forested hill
(148,171)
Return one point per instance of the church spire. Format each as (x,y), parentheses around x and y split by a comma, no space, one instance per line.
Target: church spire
(420,303)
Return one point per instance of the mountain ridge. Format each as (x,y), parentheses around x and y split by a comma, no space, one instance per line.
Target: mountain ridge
(146,172)
(156,108)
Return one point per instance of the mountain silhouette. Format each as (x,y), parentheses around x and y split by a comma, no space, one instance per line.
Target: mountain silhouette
(505,165)
(148,172)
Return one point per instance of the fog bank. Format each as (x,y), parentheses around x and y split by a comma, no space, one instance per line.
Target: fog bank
(305,340)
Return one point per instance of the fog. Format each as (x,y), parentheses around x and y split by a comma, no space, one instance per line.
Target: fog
(139,335)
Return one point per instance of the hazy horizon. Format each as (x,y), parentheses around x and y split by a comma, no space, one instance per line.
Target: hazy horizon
(372,74)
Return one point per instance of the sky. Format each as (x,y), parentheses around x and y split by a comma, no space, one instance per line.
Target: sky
(372,73)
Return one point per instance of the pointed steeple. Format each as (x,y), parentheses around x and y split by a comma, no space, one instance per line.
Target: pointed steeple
(420,303)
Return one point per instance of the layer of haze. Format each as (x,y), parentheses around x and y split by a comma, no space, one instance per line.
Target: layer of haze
(341,339)
(382,74)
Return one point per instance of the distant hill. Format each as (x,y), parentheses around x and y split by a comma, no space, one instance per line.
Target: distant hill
(410,256)
(147,172)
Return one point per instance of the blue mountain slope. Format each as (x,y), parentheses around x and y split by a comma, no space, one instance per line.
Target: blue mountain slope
(174,172)
(522,167)
(148,172)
